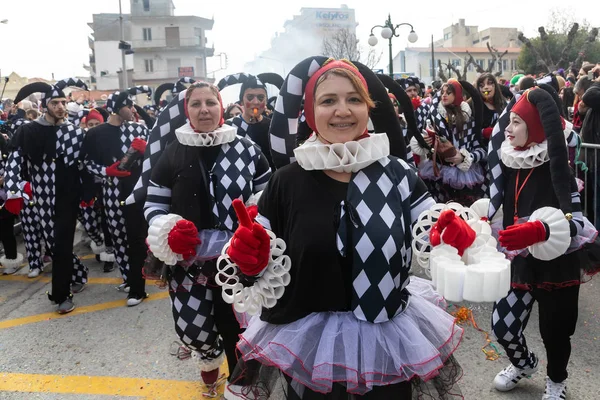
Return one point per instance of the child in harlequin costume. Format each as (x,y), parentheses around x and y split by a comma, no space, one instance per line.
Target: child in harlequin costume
(552,246)
(253,96)
(43,182)
(329,260)
(458,174)
(105,146)
(190,190)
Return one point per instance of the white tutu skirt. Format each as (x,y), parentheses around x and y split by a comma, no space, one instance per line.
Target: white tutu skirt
(327,347)
(459,179)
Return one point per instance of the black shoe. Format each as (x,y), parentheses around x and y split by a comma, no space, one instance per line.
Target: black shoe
(109,266)
(135,300)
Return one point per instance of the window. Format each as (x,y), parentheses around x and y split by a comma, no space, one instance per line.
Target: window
(146,5)
(485,37)
(475,41)
(149,65)
(198,36)
(446,36)
(513,65)
(480,62)
(490,61)
(504,65)
(470,68)
(147,34)
(455,62)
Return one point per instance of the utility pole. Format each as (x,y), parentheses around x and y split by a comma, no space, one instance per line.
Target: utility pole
(123,56)
(433,66)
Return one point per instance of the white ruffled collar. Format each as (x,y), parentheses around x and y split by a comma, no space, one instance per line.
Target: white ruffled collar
(463,106)
(342,157)
(524,159)
(188,137)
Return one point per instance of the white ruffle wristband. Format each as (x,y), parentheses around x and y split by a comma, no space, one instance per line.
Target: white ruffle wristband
(560,234)
(416,147)
(158,238)
(467,160)
(266,290)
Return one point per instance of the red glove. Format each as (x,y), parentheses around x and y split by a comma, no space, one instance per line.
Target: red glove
(114,171)
(517,237)
(453,230)
(27,190)
(183,238)
(14,206)
(87,204)
(252,212)
(487,132)
(416,103)
(251,245)
(139,145)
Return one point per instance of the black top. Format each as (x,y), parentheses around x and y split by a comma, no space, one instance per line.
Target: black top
(259,134)
(103,144)
(302,205)
(489,117)
(186,171)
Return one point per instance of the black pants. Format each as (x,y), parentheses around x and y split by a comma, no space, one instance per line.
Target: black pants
(558,310)
(7,234)
(65,220)
(397,391)
(137,231)
(228,327)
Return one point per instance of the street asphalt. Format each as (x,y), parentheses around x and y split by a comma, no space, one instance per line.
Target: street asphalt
(105,350)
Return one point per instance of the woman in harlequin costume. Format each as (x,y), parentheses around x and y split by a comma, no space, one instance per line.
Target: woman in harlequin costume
(493,102)
(458,173)
(105,147)
(552,246)
(253,96)
(402,101)
(334,227)
(190,190)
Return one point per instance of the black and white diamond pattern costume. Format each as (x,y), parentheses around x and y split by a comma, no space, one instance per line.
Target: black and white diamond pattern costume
(183,186)
(349,245)
(111,186)
(548,272)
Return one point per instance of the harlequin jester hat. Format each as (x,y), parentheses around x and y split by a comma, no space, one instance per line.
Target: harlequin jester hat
(250,81)
(49,91)
(411,81)
(175,88)
(539,110)
(118,100)
(284,123)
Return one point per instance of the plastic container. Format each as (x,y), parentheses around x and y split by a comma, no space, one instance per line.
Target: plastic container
(130,157)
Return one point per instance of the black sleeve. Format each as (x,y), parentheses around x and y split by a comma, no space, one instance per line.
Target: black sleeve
(163,173)
(268,205)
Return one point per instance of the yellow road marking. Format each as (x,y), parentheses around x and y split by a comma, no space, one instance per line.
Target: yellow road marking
(11,323)
(149,389)
(47,279)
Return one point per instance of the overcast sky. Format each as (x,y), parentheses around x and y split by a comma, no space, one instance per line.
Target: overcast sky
(44,37)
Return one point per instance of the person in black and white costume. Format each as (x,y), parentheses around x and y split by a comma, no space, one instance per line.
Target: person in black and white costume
(552,246)
(191,189)
(459,178)
(253,97)
(105,146)
(47,153)
(335,228)
(174,88)
(415,89)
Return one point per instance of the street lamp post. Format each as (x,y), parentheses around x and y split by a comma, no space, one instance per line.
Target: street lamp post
(388,31)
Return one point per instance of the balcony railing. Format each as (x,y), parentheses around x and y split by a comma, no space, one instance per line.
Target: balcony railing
(167,43)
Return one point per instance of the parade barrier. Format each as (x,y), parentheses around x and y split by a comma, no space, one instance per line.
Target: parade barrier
(587,171)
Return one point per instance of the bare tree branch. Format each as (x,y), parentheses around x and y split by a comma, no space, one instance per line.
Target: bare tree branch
(540,60)
(570,38)
(590,39)
(545,49)
(441,72)
(344,44)
(449,67)
(478,67)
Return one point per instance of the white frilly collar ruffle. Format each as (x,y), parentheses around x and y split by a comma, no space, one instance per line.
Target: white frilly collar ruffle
(342,157)
(524,159)
(188,137)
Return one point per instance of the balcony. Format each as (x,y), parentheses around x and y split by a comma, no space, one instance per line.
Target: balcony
(170,44)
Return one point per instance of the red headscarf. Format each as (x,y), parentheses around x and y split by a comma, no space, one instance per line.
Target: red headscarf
(221,121)
(94,114)
(309,93)
(530,114)
(458,91)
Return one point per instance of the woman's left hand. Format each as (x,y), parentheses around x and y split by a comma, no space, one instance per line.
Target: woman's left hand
(457,159)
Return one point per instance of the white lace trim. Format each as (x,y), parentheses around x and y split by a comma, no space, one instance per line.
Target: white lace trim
(342,157)
(463,106)
(188,137)
(158,238)
(524,159)
(268,287)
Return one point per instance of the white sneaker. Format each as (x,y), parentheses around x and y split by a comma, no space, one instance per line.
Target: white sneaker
(123,287)
(510,376)
(34,273)
(555,391)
